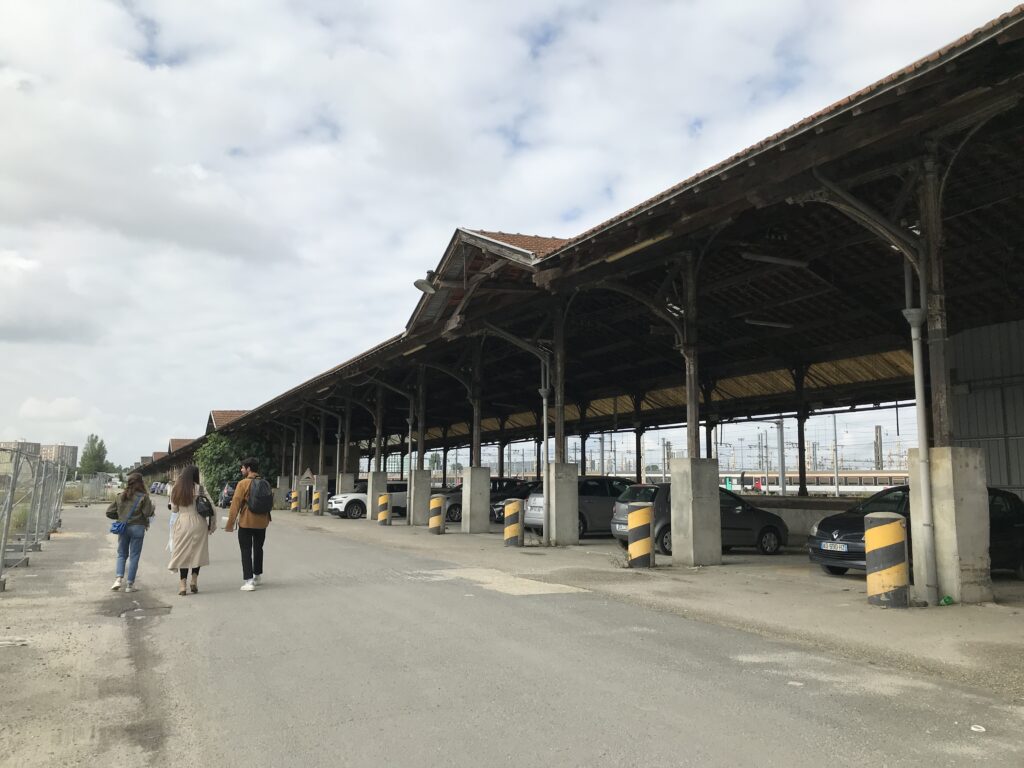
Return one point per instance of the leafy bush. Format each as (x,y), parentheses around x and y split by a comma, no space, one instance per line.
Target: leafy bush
(220,457)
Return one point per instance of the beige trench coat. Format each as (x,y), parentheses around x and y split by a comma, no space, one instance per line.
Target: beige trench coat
(191,537)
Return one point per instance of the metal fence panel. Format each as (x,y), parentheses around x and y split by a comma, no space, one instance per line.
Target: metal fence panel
(31,497)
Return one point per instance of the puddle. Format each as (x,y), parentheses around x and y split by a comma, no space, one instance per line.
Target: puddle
(136,611)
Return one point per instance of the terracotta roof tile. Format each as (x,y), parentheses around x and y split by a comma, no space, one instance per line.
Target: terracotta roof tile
(177,443)
(221,418)
(535,244)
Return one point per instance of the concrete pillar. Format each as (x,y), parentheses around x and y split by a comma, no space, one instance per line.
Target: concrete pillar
(346,482)
(281,492)
(696,515)
(564,504)
(583,453)
(501,458)
(537,456)
(476,500)
(320,484)
(377,483)
(961,520)
(419,497)
(444,465)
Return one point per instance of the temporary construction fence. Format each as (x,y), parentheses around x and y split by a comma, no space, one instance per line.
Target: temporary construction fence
(31,493)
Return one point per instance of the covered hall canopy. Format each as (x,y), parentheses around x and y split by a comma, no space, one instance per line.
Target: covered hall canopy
(782,273)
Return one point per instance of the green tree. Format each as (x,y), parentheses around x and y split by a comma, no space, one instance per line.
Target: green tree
(220,457)
(434,461)
(94,456)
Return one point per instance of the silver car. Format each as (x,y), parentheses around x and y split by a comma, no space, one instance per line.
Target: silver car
(501,488)
(597,501)
(743,524)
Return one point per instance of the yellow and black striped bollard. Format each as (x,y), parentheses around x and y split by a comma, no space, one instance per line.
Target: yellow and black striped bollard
(384,509)
(316,503)
(885,550)
(295,500)
(513,522)
(641,536)
(436,521)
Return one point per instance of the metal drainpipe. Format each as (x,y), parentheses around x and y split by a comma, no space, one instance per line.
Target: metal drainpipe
(916,317)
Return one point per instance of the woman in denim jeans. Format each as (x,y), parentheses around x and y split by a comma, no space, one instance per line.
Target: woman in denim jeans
(135,508)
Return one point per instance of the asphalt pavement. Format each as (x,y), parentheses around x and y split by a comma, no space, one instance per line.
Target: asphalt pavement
(354,653)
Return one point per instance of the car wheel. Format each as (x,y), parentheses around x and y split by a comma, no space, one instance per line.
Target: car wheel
(835,570)
(663,541)
(455,513)
(581,526)
(355,510)
(769,542)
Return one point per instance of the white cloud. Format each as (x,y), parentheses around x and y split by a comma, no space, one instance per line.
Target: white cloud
(57,409)
(180,178)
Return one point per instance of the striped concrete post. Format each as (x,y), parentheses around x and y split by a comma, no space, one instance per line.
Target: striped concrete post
(294,500)
(436,521)
(513,522)
(641,535)
(316,503)
(885,549)
(384,509)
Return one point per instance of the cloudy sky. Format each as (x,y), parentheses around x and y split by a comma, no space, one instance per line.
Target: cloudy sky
(203,204)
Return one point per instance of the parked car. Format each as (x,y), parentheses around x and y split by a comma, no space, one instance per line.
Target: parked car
(353,504)
(743,524)
(836,543)
(520,492)
(597,500)
(501,488)
(153,486)
(226,494)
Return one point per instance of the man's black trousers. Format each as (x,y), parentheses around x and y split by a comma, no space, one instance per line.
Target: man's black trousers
(250,541)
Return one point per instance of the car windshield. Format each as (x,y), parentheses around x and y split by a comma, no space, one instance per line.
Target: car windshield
(639,493)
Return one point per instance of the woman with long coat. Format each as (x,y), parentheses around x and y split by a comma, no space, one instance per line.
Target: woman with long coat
(191,532)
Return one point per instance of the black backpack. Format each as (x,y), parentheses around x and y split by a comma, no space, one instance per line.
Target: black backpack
(261,496)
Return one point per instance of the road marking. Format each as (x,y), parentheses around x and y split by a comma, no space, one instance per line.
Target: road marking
(496,581)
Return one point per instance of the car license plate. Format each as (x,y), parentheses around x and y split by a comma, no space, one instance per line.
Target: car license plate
(834,546)
(620,527)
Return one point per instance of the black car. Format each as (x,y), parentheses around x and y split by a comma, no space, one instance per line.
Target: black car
(226,493)
(743,524)
(521,491)
(836,543)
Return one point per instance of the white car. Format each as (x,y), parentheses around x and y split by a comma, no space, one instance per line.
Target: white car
(353,504)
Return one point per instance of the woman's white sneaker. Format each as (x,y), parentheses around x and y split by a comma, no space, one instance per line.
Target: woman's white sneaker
(117,584)
(249,586)
(257,579)
(130,587)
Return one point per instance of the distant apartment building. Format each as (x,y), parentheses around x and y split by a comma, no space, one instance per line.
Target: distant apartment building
(23,446)
(61,454)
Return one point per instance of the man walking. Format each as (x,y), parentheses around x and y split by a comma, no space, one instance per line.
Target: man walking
(250,506)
